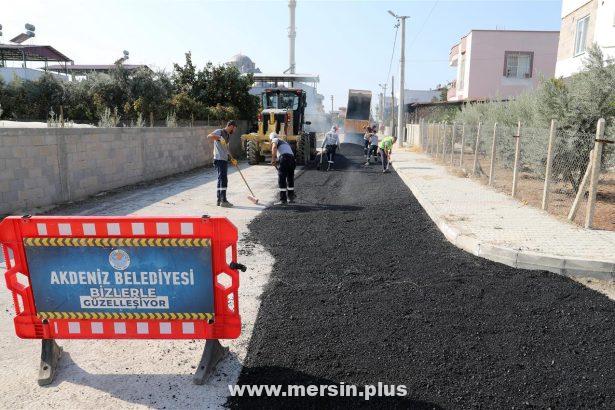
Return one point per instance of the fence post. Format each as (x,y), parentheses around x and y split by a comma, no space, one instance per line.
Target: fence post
(423,138)
(475,165)
(452,144)
(428,129)
(463,137)
(545,190)
(595,173)
(517,157)
(582,188)
(430,136)
(62,116)
(192,120)
(444,126)
(492,164)
(151,118)
(437,128)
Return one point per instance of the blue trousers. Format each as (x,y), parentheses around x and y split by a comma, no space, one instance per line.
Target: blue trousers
(222,168)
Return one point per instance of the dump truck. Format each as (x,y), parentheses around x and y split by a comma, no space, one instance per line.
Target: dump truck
(357,114)
(282,111)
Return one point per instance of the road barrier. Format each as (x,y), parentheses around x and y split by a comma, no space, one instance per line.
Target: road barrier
(123,278)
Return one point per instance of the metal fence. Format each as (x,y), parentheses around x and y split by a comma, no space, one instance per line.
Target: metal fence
(546,168)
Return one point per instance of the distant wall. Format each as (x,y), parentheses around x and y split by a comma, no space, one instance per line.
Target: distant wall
(47,166)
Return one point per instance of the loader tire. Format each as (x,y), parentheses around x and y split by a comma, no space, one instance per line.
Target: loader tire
(313,152)
(303,149)
(253,153)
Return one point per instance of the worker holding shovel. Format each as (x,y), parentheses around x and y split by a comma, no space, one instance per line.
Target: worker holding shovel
(385,147)
(221,138)
(372,149)
(283,159)
(331,143)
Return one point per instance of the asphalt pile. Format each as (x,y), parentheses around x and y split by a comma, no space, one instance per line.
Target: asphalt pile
(366,289)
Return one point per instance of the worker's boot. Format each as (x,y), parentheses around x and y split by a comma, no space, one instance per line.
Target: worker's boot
(291,197)
(224,203)
(283,199)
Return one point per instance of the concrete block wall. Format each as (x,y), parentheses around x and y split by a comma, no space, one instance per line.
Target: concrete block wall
(46,166)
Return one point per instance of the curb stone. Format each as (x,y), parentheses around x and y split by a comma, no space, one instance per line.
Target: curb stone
(566,266)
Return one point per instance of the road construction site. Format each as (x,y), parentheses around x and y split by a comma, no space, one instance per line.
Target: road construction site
(366,289)
(352,284)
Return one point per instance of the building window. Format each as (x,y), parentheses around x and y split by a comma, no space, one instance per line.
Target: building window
(518,64)
(580,40)
(462,71)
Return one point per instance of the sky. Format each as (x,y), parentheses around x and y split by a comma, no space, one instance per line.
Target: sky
(349,44)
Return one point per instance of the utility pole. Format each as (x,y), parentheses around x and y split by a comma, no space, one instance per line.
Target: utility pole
(332,103)
(383,96)
(402,63)
(393,106)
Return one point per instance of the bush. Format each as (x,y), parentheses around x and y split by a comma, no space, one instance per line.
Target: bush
(215,92)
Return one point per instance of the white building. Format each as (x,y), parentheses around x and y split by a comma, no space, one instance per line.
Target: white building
(584,22)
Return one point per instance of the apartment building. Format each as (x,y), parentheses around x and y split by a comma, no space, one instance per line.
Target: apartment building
(500,64)
(584,22)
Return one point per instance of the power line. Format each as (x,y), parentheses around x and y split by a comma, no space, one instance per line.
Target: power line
(392,53)
(424,24)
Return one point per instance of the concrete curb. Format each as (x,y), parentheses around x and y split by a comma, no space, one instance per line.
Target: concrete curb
(572,267)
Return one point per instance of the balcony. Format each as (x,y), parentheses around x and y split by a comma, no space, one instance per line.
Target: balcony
(453,56)
(451,94)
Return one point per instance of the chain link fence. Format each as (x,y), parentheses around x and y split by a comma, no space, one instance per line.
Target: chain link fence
(514,160)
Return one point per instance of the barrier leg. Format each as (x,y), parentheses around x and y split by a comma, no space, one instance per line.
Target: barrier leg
(213,353)
(50,355)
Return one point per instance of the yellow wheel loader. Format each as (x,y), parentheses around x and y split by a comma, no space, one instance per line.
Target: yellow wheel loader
(283,112)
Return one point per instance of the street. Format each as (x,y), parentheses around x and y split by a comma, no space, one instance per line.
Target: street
(366,289)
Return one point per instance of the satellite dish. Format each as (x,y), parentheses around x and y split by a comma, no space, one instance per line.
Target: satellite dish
(126,53)
(30,27)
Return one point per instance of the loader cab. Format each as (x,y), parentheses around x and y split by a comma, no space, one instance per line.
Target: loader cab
(283,102)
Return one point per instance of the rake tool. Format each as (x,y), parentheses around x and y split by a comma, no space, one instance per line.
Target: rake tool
(252,198)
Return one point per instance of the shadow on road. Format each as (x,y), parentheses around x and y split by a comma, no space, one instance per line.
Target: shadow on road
(131,198)
(157,391)
(307,207)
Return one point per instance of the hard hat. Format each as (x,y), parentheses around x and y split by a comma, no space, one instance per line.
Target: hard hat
(272,136)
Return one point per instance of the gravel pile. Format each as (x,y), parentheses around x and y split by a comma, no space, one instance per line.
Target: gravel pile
(366,289)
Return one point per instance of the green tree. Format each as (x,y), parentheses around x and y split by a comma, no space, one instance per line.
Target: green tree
(215,85)
(577,104)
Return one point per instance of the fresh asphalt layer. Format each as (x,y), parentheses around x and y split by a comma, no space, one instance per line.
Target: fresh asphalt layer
(366,289)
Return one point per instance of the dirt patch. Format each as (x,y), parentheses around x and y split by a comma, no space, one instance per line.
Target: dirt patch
(366,289)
